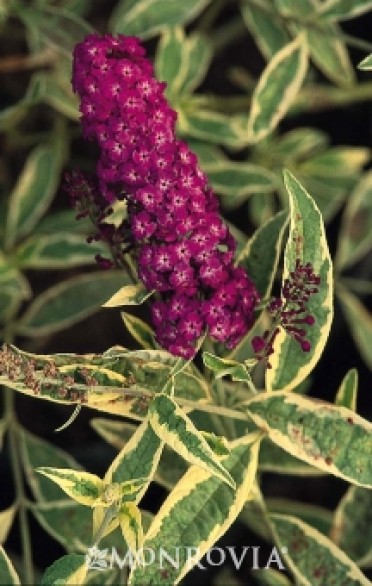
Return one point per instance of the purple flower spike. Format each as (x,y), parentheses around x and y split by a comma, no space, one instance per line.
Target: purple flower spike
(290,311)
(184,250)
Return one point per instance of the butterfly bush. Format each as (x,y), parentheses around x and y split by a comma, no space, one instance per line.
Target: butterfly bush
(184,251)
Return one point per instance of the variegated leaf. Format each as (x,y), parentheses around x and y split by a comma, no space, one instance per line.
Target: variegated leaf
(352,525)
(359,320)
(8,575)
(312,557)
(34,191)
(129,295)
(85,488)
(140,331)
(146,18)
(306,242)
(131,526)
(277,88)
(326,436)
(348,390)
(171,424)
(207,506)
(69,570)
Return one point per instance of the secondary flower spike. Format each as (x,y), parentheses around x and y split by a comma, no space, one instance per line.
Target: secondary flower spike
(184,250)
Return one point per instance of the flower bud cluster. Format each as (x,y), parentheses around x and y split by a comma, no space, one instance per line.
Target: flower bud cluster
(290,310)
(184,250)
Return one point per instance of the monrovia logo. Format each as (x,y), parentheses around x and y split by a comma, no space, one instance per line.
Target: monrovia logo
(104,559)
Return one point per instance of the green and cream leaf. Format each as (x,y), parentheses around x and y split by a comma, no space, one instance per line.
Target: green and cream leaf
(307,243)
(129,295)
(207,507)
(173,426)
(317,561)
(331,438)
(83,487)
(348,390)
(277,88)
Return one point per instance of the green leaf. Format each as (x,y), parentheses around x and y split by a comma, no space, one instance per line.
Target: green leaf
(169,62)
(344,9)
(277,88)
(348,390)
(198,512)
(36,452)
(13,115)
(146,18)
(331,175)
(140,331)
(355,234)
(71,525)
(296,145)
(56,27)
(329,53)
(198,51)
(129,295)
(181,61)
(68,302)
(8,575)
(270,577)
(268,32)
(366,64)
(131,526)
(171,425)
(359,321)
(170,468)
(212,127)
(329,437)
(325,44)
(85,488)
(69,569)
(262,207)
(314,515)
(275,460)
(206,152)
(352,525)
(57,251)
(137,459)
(306,242)
(14,289)
(358,286)
(260,257)
(67,522)
(312,557)
(34,191)
(101,381)
(61,99)
(225,367)
(63,221)
(328,193)
(237,181)
(344,162)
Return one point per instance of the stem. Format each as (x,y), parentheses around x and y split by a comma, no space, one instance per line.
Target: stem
(210,16)
(13,63)
(313,98)
(223,36)
(321,97)
(356,42)
(110,513)
(19,486)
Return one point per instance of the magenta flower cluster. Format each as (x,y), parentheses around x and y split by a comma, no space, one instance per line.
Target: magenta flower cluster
(184,250)
(290,310)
